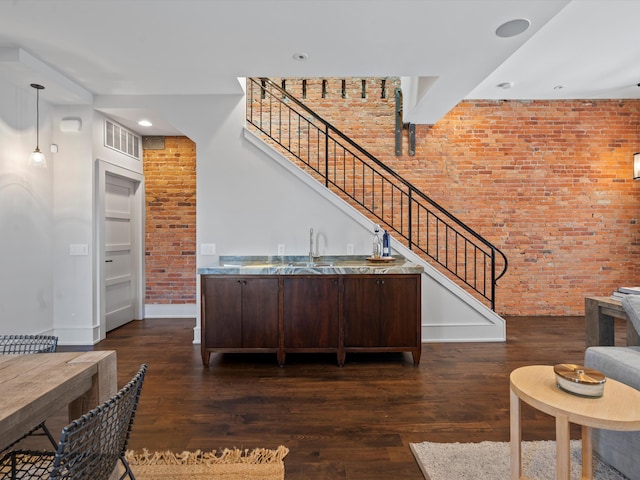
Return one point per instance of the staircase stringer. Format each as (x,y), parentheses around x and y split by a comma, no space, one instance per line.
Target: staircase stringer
(449,313)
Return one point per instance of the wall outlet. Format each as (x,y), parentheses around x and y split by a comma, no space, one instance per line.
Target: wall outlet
(349,248)
(207,249)
(280,249)
(78,249)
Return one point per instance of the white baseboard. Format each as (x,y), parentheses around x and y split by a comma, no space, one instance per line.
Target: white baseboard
(463,333)
(77,335)
(185,310)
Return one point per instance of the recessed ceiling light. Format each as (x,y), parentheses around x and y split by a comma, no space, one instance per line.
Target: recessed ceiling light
(513,27)
(300,57)
(505,85)
(145,123)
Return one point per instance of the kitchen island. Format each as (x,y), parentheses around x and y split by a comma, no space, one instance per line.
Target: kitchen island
(288,304)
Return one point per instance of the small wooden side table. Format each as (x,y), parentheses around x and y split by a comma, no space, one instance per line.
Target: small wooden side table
(617,409)
(599,315)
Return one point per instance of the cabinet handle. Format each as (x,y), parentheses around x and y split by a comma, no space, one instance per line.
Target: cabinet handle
(244,282)
(108,261)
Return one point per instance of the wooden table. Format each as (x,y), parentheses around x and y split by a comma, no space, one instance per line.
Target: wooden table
(599,314)
(617,409)
(34,387)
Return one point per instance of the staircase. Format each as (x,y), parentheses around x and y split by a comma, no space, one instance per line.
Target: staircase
(375,190)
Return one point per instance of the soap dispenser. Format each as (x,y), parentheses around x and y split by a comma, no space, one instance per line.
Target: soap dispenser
(377,246)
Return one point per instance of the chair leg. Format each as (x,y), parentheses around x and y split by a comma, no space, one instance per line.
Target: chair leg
(127,470)
(49,436)
(14,467)
(32,433)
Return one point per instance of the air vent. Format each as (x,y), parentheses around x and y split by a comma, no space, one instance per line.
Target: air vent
(119,138)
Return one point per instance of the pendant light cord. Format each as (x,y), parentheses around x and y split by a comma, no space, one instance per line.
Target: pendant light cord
(37,118)
(38,88)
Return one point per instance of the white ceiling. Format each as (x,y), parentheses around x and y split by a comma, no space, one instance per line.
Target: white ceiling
(87,51)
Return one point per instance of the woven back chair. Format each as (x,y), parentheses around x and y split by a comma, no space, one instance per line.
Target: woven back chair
(90,446)
(28,344)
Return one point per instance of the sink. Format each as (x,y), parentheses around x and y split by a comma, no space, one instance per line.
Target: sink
(310,264)
(274,264)
(250,265)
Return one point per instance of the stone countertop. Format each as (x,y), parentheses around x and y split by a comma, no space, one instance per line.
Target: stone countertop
(300,265)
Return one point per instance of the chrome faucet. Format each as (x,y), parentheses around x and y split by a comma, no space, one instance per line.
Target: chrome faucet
(311,255)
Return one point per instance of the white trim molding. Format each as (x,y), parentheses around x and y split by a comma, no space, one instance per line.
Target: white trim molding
(183,310)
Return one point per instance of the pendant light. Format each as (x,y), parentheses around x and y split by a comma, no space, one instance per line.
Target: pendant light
(37,158)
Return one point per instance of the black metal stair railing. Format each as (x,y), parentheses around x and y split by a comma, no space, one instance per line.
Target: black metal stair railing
(356,175)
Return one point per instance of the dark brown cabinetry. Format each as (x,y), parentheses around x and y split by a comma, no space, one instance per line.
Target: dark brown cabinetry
(311,313)
(239,313)
(380,313)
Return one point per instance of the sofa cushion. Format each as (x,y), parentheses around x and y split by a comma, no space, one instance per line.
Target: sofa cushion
(618,449)
(620,363)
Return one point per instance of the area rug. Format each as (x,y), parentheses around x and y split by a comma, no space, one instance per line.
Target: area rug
(229,464)
(490,461)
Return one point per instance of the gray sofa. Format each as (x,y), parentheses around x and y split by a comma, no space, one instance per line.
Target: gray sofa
(619,449)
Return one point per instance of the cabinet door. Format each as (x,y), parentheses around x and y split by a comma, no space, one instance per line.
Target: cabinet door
(259,312)
(222,324)
(311,312)
(361,312)
(399,311)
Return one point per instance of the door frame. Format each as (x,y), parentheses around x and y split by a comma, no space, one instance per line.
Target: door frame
(104,168)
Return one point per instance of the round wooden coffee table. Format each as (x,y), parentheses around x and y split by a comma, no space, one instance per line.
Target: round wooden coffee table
(617,409)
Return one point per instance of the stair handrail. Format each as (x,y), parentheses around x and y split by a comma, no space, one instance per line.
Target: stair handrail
(410,187)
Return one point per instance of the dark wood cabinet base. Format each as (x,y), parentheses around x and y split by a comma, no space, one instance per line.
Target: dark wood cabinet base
(311,313)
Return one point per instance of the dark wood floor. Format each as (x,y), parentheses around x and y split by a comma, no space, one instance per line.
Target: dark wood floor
(354,422)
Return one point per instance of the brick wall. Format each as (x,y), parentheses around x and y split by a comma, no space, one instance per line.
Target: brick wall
(170,241)
(548,182)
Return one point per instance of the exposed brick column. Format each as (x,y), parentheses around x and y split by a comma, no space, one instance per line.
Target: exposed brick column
(170,241)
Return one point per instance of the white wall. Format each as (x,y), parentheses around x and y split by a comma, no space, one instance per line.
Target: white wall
(246,204)
(449,313)
(73,224)
(76,282)
(26,215)
(44,289)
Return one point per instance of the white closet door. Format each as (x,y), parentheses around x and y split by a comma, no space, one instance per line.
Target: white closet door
(119,272)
